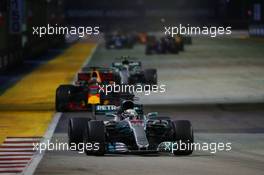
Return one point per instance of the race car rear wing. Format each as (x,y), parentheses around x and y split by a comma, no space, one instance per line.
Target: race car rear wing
(100,69)
(83,76)
(103,77)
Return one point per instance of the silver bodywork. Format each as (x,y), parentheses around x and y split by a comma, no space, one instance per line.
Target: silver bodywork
(139,133)
(124,75)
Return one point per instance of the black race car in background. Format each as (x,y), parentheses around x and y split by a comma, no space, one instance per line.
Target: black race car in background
(131,72)
(119,40)
(102,75)
(127,130)
(166,44)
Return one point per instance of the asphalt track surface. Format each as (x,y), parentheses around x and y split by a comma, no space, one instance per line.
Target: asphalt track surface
(241,124)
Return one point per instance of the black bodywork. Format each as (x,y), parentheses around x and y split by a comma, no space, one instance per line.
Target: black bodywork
(166,44)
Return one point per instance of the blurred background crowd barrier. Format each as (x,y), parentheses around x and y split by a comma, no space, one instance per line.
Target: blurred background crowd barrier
(16,20)
(18,16)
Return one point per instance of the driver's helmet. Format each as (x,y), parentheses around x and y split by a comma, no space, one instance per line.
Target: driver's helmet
(130,113)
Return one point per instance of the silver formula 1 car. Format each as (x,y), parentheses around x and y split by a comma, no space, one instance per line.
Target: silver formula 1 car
(127,130)
(131,72)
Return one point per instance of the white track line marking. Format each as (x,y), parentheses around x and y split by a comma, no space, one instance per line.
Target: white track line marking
(16,149)
(15,153)
(14,157)
(17,144)
(11,169)
(20,142)
(23,139)
(30,169)
(12,166)
(12,161)
(9,172)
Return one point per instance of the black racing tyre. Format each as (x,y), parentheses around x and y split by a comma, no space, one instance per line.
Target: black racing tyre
(63,94)
(183,133)
(76,130)
(95,134)
(151,76)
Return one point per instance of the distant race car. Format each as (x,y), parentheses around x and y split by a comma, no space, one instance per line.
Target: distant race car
(86,91)
(131,72)
(165,45)
(119,40)
(127,130)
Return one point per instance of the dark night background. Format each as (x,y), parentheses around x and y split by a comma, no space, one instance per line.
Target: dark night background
(139,15)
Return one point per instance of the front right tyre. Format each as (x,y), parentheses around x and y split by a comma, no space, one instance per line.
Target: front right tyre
(183,137)
(94,134)
(76,128)
(151,77)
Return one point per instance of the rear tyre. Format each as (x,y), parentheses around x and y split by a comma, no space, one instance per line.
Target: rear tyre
(76,130)
(95,135)
(151,76)
(183,134)
(63,94)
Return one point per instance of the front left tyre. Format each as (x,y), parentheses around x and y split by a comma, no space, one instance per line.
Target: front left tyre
(76,128)
(94,134)
(151,76)
(183,137)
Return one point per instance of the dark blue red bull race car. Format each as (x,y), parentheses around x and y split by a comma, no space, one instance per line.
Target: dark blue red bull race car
(88,90)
